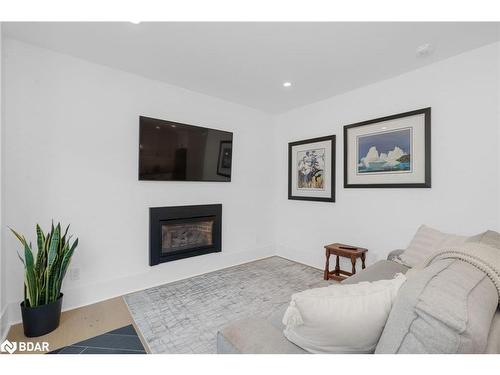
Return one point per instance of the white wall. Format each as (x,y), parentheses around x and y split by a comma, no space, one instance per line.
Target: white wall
(498,114)
(464,94)
(72,155)
(3,289)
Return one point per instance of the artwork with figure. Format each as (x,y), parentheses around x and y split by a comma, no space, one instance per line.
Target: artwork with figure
(310,169)
(225,158)
(386,152)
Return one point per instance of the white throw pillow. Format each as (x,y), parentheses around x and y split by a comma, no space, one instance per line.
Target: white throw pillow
(425,243)
(341,318)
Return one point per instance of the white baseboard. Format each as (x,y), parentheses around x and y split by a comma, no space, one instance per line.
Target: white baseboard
(93,293)
(300,256)
(311,259)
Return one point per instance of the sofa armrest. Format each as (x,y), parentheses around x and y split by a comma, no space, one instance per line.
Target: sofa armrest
(254,336)
(381,270)
(394,254)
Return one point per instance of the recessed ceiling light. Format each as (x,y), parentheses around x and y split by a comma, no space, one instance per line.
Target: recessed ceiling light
(287,84)
(135,22)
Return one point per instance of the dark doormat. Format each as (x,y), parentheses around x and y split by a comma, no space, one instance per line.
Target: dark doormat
(120,341)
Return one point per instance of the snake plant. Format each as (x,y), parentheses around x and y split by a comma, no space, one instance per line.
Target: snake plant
(43,277)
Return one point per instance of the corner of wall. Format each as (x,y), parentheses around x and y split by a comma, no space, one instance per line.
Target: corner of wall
(498,130)
(4,321)
(247,243)
(439,85)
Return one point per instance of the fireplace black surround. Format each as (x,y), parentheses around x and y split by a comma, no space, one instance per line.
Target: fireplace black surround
(184,231)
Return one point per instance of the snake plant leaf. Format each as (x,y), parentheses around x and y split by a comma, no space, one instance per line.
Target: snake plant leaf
(48,240)
(66,231)
(73,247)
(20,258)
(64,239)
(53,247)
(51,259)
(52,287)
(41,256)
(40,238)
(30,279)
(66,260)
(19,237)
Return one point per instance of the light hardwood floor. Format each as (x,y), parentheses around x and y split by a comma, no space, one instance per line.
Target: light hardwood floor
(83,323)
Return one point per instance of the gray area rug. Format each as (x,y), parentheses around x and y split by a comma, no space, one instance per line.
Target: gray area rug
(184,316)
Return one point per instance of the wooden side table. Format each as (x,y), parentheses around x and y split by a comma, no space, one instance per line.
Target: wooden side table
(346,251)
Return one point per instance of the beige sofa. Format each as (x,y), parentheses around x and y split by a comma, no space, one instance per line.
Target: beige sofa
(402,333)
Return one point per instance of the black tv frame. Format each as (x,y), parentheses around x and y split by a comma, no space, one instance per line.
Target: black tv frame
(140,178)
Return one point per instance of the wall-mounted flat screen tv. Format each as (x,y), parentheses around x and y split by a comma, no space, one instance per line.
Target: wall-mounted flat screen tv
(171,151)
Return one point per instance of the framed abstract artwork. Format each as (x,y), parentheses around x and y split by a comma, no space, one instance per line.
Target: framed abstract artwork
(389,152)
(225,158)
(311,169)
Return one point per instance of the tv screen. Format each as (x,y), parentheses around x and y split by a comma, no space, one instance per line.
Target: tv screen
(171,151)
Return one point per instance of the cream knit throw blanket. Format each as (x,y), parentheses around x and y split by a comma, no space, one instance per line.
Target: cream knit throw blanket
(484,257)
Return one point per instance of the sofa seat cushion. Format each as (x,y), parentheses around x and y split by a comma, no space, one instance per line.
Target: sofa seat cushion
(254,336)
(493,345)
(381,270)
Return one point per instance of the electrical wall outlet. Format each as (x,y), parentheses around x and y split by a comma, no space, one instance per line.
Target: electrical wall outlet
(74,274)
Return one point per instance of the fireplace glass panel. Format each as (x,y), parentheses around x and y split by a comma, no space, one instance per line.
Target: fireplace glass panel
(187,235)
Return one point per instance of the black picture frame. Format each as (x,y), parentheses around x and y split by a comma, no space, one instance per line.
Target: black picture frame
(224,163)
(427,152)
(331,138)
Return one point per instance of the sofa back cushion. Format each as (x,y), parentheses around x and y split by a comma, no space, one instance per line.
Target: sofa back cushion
(426,242)
(490,238)
(447,307)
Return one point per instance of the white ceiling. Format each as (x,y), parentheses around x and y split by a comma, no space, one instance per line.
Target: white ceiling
(247,63)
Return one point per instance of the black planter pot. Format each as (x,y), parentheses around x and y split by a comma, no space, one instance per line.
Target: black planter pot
(40,320)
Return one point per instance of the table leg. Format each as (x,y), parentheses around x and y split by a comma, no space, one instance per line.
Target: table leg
(363,256)
(327,265)
(353,262)
(337,266)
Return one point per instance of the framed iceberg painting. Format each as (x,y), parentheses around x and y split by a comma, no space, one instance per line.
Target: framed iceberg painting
(311,169)
(389,152)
